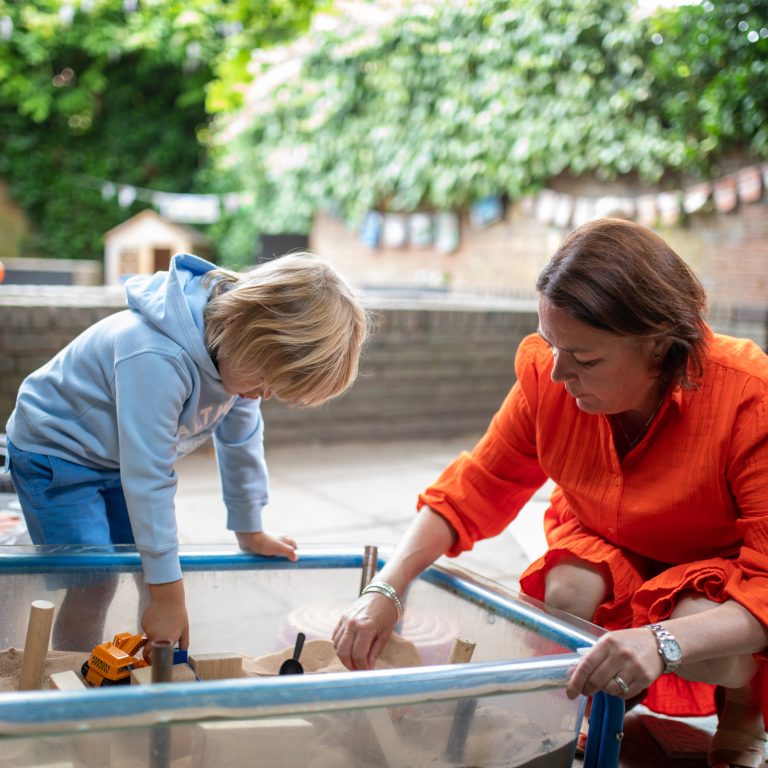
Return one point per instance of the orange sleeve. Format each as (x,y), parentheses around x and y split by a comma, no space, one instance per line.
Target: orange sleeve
(748,479)
(481,492)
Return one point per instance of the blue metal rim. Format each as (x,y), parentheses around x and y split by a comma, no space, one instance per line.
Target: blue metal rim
(40,711)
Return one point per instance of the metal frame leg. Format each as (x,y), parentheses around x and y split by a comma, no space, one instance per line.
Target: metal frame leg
(606,730)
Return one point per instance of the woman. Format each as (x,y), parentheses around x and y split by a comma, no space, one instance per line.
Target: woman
(655,431)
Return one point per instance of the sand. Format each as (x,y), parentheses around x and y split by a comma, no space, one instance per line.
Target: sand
(415,736)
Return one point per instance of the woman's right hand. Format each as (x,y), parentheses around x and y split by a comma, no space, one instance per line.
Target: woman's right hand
(364,630)
(367,626)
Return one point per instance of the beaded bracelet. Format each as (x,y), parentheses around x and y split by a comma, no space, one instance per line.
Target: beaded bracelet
(382,588)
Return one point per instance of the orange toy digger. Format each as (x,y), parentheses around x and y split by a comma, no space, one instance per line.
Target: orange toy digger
(111,663)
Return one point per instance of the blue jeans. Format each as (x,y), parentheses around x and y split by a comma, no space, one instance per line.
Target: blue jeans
(68,503)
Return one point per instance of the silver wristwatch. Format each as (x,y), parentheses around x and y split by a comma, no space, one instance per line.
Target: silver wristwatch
(669,649)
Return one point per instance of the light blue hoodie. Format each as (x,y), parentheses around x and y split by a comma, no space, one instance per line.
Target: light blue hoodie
(135,392)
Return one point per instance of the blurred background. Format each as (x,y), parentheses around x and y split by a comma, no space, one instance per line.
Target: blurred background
(436,152)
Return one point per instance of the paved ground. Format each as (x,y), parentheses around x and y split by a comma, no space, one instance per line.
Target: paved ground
(364,494)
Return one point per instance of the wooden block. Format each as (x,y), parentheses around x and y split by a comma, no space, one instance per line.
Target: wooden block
(66,764)
(392,748)
(180,673)
(286,742)
(36,646)
(462,651)
(217,666)
(67,681)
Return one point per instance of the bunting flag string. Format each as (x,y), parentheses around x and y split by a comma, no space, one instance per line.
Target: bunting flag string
(441,230)
(562,210)
(181,208)
(724,195)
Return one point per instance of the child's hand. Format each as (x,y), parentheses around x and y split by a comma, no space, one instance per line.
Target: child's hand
(263,543)
(165,618)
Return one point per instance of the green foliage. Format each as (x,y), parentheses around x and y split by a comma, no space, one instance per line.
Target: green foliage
(463,99)
(712,60)
(114,89)
(445,103)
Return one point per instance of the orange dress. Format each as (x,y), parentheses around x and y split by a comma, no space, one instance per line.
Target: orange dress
(685,510)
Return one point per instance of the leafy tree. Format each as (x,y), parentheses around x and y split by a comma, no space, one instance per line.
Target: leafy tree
(116,89)
(451,102)
(711,62)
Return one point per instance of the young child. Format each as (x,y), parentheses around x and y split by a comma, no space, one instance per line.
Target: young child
(95,433)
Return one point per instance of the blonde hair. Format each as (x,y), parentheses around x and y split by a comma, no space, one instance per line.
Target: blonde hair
(292,322)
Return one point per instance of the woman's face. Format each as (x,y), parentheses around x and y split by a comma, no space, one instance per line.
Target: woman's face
(237,384)
(604,372)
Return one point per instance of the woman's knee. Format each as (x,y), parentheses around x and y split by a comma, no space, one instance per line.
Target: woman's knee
(575,586)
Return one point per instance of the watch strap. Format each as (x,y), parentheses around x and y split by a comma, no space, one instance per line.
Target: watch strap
(665,638)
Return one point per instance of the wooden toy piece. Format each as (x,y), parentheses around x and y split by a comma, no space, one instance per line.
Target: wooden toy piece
(67,681)
(36,645)
(66,764)
(370,562)
(216,666)
(92,749)
(392,748)
(162,660)
(462,651)
(181,673)
(286,742)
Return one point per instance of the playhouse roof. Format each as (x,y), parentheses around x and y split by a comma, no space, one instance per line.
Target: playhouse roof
(181,230)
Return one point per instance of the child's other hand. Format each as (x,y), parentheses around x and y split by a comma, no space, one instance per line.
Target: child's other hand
(165,618)
(263,543)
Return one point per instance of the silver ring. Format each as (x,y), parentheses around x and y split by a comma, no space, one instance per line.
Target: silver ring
(623,687)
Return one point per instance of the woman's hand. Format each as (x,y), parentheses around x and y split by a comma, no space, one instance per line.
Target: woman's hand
(627,655)
(263,543)
(165,618)
(364,630)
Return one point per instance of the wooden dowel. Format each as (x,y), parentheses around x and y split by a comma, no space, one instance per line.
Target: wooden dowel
(161,660)
(161,663)
(462,651)
(370,562)
(36,645)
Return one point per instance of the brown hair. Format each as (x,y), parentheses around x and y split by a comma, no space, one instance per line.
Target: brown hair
(293,322)
(619,276)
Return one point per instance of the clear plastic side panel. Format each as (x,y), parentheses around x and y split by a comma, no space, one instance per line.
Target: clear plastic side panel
(535,730)
(257,612)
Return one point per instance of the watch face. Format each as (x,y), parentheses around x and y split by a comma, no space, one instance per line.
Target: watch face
(671,650)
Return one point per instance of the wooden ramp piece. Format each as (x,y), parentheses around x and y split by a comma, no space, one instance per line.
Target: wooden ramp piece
(286,742)
(67,681)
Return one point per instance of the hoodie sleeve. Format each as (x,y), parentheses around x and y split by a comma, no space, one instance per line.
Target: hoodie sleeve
(239,441)
(150,390)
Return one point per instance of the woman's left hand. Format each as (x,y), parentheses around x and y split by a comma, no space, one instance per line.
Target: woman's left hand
(263,543)
(622,663)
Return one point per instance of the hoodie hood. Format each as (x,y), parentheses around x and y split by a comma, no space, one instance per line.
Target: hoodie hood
(173,302)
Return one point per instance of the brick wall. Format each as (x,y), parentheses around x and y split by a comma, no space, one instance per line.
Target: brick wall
(434,368)
(37,321)
(729,252)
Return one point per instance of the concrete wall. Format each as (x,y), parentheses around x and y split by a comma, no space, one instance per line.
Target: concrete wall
(34,271)
(433,368)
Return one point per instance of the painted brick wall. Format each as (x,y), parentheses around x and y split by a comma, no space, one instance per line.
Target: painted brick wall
(729,252)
